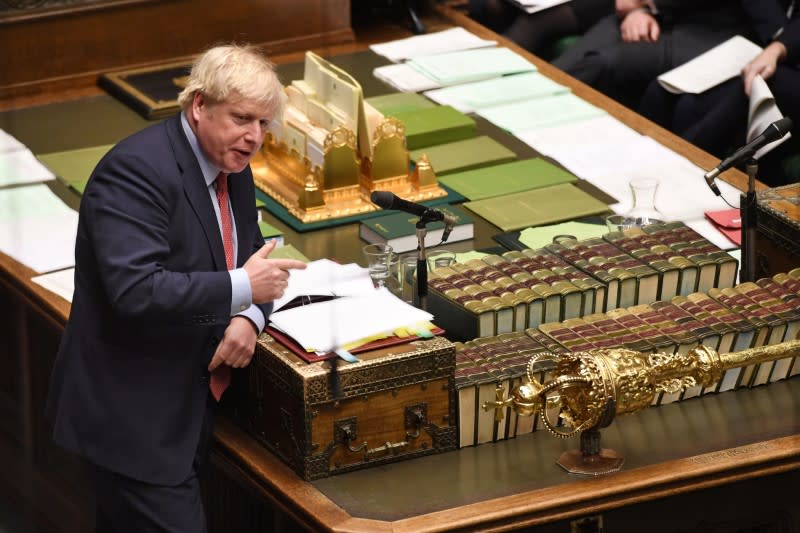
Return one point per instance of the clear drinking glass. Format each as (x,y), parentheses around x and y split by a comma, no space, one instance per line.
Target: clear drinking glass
(408,277)
(377,257)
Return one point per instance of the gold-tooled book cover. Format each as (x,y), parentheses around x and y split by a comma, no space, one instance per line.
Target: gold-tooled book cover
(150,91)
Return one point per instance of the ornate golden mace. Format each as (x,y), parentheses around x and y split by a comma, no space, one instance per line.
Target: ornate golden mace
(591,388)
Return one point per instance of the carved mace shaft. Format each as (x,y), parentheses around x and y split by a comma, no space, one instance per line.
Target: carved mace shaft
(585,384)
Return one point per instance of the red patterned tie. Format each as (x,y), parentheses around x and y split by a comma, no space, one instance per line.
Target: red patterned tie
(221,376)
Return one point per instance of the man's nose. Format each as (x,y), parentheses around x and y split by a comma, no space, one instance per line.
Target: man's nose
(254,130)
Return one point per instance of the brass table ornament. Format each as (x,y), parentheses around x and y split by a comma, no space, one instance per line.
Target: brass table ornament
(332,149)
(589,389)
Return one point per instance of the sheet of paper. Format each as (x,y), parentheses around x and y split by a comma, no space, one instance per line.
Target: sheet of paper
(564,138)
(534,6)
(721,63)
(540,113)
(405,78)
(763,111)
(37,228)
(325,326)
(325,277)
(61,283)
(470,97)
(450,40)
(21,166)
(471,65)
(9,143)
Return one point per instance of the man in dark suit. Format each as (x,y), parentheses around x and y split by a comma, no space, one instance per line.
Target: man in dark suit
(622,53)
(173,284)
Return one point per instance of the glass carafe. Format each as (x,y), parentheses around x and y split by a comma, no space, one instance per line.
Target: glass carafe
(644,211)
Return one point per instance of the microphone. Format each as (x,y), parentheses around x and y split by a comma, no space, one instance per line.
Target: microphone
(771,133)
(389,200)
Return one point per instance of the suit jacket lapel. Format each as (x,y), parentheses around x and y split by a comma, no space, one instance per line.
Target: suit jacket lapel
(196,191)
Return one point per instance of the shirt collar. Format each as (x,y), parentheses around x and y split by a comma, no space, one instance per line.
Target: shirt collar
(208,169)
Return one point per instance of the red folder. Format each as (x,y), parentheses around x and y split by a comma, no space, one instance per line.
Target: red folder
(313,357)
(728,222)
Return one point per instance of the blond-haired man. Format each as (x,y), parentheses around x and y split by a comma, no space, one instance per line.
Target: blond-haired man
(173,283)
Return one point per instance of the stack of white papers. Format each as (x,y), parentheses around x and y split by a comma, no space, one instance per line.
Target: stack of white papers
(8,143)
(440,42)
(325,278)
(327,326)
(37,228)
(470,97)
(61,283)
(721,63)
(609,155)
(18,164)
(404,78)
(763,111)
(471,65)
(540,113)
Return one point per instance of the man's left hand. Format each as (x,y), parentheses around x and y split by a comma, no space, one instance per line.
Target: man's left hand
(237,346)
(639,27)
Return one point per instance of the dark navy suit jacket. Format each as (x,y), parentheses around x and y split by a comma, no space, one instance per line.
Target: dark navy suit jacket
(152,299)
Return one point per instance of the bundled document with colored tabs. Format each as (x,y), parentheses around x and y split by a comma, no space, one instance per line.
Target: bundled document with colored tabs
(471,65)
(540,112)
(327,326)
(470,97)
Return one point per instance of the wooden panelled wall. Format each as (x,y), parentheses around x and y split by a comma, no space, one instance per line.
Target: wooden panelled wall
(68,43)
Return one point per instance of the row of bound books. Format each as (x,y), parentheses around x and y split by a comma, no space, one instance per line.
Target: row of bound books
(729,320)
(573,278)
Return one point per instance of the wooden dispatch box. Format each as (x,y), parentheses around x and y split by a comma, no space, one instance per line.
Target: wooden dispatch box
(396,403)
(777,243)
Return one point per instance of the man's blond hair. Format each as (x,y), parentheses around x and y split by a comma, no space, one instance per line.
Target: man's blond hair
(232,72)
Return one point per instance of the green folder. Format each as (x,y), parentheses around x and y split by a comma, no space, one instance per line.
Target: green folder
(435,125)
(537,207)
(72,166)
(390,104)
(507,178)
(78,186)
(465,155)
(287,251)
(268,231)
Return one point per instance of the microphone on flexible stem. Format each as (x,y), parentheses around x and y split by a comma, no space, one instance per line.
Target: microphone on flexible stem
(771,133)
(389,200)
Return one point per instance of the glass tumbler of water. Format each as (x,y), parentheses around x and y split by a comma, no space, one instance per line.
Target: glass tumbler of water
(377,257)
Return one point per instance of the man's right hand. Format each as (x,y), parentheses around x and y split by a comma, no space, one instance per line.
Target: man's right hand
(269,277)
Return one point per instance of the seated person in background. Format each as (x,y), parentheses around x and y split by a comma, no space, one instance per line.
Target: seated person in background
(623,53)
(537,32)
(716,120)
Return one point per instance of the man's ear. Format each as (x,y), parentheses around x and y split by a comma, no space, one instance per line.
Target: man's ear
(198,103)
